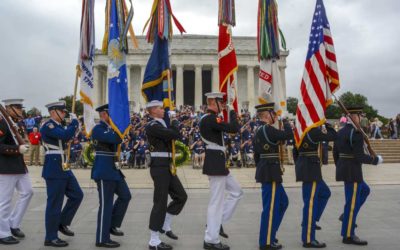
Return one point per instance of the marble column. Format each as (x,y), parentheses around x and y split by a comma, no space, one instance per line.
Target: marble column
(215,78)
(142,101)
(129,83)
(105,86)
(198,87)
(250,87)
(179,85)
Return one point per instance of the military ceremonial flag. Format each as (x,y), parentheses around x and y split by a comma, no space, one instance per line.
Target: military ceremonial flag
(226,54)
(270,88)
(86,58)
(116,73)
(320,78)
(158,70)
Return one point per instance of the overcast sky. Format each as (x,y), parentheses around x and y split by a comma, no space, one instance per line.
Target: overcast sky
(39,43)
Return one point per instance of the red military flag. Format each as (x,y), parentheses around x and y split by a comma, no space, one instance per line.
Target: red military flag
(226,54)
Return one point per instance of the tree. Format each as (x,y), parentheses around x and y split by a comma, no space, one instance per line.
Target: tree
(78,105)
(333,112)
(292,104)
(34,112)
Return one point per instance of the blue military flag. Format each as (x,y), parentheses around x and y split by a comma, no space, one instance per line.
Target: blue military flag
(117,77)
(157,80)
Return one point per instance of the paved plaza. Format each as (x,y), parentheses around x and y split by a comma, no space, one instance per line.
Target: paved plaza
(379,219)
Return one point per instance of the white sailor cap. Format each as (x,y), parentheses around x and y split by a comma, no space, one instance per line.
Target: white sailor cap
(215,95)
(14,102)
(154,103)
(60,105)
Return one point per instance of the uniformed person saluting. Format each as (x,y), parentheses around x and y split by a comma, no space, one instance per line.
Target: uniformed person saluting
(348,153)
(13,176)
(315,191)
(110,181)
(160,139)
(269,171)
(220,209)
(60,181)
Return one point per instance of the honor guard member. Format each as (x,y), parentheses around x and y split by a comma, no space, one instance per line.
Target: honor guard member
(60,181)
(13,176)
(220,209)
(110,181)
(315,191)
(269,171)
(348,153)
(166,183)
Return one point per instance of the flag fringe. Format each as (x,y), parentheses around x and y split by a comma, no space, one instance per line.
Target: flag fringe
(226,12)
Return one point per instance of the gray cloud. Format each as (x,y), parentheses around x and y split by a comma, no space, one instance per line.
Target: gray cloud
(40,43)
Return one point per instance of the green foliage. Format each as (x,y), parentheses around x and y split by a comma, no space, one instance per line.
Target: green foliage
(292,105)
(34,112)
(78,105)
(333,112)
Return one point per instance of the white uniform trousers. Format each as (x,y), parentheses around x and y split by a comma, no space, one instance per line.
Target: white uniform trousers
(11,217)
(221,208)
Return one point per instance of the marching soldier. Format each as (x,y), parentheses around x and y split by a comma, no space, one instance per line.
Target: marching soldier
(269,171)
(315,191)
(220,209)
(166,183)
(348,153)
(110,181)
(13,175)
(60,181)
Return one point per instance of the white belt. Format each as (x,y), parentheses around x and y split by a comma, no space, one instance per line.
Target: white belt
(160,154)
(54,152)
(216,147)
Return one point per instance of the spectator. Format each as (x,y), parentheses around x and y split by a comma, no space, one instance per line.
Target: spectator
(398,125)
(343,120)
(392,129)
(377,129)
(364,123)
(199,150)
(234,154)
(34,139)
(141,150)
(76,150)
(126,150)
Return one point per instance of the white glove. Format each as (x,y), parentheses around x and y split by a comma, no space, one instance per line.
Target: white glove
(171,114)
(380,159)
(73,116)
(23,149)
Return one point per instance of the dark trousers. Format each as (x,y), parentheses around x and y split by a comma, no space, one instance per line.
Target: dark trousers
(140,159)
(55,214)
(315,197)
(111,214)
(356,194)
(275,202)
(165,184)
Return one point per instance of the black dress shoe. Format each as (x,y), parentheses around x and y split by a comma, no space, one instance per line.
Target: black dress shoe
(17,233)
(65,230)
(55,243)
(341,219)
(273,246)
(314,244)
(171,235)
(110,244)
(317,227)
(355,241)
(218,246)
(116,232)
(222,233)
(9,240)
(161,246)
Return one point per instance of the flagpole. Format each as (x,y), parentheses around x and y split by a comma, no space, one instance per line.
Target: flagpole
(66,165)
(173,166)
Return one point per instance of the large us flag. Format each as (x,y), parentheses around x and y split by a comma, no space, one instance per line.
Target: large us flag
(320,77)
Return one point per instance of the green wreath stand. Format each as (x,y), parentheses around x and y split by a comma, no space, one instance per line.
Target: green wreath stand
(88,154)
(182,153)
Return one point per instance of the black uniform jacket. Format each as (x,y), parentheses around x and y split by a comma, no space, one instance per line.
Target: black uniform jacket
(308,163)
(160,140)
(266,152)
(211,130)
(11,161)
(348,153)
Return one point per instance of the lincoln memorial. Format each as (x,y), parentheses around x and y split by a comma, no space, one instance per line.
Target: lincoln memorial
(194,63)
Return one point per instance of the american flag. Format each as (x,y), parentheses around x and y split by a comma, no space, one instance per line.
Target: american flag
(320,77)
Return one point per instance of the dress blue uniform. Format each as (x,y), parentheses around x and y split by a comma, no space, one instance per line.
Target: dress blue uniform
(315,191)
(348,153)
(59,181)
(269,174)
(109,179)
